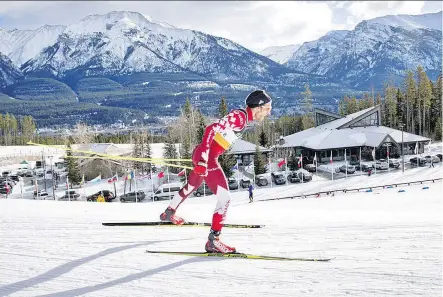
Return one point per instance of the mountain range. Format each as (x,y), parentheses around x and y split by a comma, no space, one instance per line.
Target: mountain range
(376,50)
(124,59)
(122,43)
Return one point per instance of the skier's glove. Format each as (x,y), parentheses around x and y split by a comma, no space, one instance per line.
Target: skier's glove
(201,169)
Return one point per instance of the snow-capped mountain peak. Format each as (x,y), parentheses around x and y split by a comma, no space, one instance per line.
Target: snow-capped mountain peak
(22,45)
(122,42)
(280,54)
(119,20)
(410,22)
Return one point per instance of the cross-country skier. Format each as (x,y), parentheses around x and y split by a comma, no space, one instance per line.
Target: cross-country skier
(218,138)
(251,193)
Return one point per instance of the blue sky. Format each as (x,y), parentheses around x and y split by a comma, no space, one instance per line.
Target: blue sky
(255,24)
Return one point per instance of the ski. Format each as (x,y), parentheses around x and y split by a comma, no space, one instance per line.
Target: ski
(239,255)
(169,224)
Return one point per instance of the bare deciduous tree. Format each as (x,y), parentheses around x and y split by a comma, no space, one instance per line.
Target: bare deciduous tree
(82,134)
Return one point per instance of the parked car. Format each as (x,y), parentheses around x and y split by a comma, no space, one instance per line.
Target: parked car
(14,178)
(434,159)
(108,195)
(347,168)
(232,184)
(166,191)
(8,181)
(40,193)
(203,190)
(261,180)
(278,178)
(71,195)
(293,178)
(364,167)
(306,176)
(418,161)
(394,163)
(6,173)
(379,165)
(132,197)
(245,183)
(310,167)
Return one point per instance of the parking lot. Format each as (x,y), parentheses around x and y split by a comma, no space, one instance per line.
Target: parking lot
(240,181)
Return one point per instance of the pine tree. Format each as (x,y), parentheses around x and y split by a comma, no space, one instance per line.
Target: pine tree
(307,121)
(401,108)
(390,106)
(410,97)
(190,122)
(185,152)
(137,152)
(307,104)
(263,138)
(351,106)
(201,126)
(259,163)
(227,161)
(28,127)
(424,99)
(73,171)
(187,109)
(342,107)
(13,127)
(438,130)
(170,152)
(379,101)
(222,108)
(148,154)
(1,129)
(364,102)
(436,109)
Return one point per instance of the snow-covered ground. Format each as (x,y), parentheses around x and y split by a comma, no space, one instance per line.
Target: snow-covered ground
(384,243)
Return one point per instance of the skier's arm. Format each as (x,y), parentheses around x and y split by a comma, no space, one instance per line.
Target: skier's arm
(235,120)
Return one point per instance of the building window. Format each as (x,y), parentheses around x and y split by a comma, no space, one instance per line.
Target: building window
(370,120)
(323,119)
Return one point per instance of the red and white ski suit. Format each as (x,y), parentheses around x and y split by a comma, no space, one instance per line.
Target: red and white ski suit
(218,138)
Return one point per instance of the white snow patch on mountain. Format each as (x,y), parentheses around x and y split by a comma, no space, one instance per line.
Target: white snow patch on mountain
(280,54)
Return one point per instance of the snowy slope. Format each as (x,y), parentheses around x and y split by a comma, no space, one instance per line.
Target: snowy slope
(22,45)
(8,72)
(316,56)
(280,54)
(383,244)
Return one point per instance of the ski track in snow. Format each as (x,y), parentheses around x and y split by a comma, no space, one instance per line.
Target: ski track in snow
(386,244)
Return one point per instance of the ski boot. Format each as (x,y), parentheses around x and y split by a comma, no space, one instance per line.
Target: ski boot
(214,245)
(169,216)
